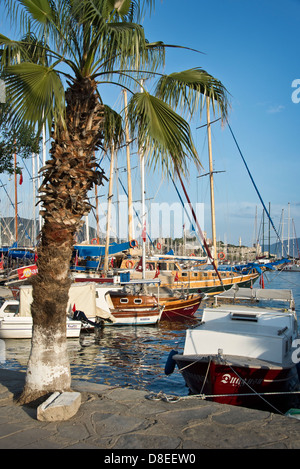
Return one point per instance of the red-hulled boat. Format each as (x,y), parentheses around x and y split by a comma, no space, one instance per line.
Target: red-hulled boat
(178,308)
(244,354)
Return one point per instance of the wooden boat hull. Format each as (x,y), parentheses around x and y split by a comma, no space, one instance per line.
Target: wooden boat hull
(134,310)
(136,318)
(180,308)
(234,384)
(173,277)
(213,286)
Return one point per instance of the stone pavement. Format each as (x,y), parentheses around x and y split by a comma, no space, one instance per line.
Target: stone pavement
(120,421)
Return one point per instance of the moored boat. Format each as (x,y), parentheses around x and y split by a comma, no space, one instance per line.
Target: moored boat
(193,280)
(15,314)
(243,354)
(132,304)
(128,305)
(179,308)
(134,309)
(16,327)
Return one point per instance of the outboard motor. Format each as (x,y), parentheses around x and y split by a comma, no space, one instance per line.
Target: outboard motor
(80,316)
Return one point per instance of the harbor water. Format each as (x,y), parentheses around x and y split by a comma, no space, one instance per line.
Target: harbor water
(134,356)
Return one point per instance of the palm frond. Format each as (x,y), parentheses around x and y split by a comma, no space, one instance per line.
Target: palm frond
(114,132)
(34,91)
(188,88)
(162,133)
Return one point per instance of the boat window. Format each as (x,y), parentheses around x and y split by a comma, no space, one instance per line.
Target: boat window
(184,274)
(244,317)
(138,301)
(195,274)
(12,309)
(162,265)
(123,300)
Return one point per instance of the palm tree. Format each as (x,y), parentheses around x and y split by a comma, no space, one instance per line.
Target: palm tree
(87,43)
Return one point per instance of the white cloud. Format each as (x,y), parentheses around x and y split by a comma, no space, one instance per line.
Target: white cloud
(275,109)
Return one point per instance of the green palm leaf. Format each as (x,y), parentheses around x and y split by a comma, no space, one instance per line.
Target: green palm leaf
(188,88)
(36,91)
(162,133)
(113,129)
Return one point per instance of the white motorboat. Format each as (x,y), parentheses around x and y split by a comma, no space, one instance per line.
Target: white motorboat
(16,327)
(243,354)
(16,320)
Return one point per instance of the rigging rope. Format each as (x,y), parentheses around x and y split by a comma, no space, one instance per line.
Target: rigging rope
(250,175)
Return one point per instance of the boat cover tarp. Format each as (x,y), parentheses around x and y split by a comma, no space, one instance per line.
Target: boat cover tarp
(18,253)
(82,295)
(257,294)
(95,250)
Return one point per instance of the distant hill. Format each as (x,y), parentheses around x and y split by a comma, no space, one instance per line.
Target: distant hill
(26,230)
(294,245)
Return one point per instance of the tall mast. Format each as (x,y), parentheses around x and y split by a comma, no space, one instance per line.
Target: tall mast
(269,231)
(142,164)
(109,202)
(130,211)
(211,177)
(16,199)
(34,201)
(288,242)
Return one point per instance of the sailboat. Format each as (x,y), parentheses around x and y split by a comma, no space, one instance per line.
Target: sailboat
(209,281)
(172,274)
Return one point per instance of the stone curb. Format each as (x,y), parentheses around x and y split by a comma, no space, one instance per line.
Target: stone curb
(59,406)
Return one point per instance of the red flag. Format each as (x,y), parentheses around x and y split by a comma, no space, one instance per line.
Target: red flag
(139,267)
(144,232)
(21,179)
(157,272)
(74,308)
(176,277)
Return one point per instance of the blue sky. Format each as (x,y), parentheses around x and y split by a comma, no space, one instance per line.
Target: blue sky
(253,48)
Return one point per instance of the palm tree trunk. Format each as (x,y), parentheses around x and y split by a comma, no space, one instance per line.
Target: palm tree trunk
(68,176)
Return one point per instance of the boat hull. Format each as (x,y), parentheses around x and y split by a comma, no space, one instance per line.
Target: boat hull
(248,385)
(134,310)
(129,317)
(180,308)
(21,328)
(211,287)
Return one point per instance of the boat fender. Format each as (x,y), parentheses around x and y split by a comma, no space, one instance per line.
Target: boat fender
(170,363)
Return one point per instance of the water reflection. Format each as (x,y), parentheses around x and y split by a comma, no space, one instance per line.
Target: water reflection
(133,356)
(119,356)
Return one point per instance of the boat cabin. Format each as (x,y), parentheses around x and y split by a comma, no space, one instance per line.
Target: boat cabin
(264,333)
